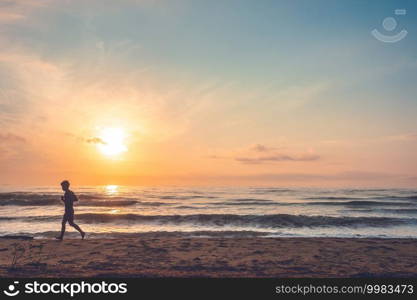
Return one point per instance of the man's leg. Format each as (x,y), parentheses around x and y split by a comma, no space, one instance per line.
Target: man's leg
(71,222)
(64,221)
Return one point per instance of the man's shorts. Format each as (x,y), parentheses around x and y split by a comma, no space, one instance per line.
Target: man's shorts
(68,217)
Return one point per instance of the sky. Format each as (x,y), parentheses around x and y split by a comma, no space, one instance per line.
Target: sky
(181,92)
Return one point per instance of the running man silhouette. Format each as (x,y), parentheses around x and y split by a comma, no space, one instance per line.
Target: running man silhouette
(69,198)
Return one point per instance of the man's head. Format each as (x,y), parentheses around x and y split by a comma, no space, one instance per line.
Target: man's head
(65,185)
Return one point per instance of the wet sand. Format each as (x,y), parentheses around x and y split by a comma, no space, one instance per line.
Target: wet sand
(172,256)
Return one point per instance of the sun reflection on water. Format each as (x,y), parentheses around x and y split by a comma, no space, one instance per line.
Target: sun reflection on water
(112,189)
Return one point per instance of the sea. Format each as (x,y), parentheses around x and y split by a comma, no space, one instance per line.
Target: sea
(113,211)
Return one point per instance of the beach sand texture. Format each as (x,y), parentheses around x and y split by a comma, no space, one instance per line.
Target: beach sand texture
(169,256)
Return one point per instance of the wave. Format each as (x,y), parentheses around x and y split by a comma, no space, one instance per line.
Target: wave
(249,203)
(190,207)
(387,197)
(26,199)
(401,210)
(34,196)
(251,200)
(129,202)
(150,203)
(410,197)
(53,202)
(270,190)
(333,198)
(183,197)
(362,203)
(153,234)
(368,190)
(260,221)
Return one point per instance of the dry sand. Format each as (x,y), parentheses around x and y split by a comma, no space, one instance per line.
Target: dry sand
(167,256)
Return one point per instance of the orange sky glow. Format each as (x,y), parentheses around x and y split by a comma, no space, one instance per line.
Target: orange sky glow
(89,95)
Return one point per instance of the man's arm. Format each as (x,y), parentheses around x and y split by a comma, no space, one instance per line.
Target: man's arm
(74,197)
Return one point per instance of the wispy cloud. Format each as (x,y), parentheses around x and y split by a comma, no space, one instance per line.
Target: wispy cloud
(88,140)
(277,158)
(95,140)
(262,154)
(11,138)
(11,145)
(338,176)
(262,148)
(12,11)
(401,137)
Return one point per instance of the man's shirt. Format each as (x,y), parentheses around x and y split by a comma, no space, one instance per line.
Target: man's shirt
(69,199)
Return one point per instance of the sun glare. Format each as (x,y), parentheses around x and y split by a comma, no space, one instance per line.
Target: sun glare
(113,141)
(111,189)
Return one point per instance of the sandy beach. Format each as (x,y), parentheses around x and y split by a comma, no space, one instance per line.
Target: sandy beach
(156,255)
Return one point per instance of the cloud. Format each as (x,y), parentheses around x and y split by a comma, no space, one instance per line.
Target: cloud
(262,154)
(278,158)
(10,17)
(327,178)
(21,91)
(339,176)
(95,140)
(90,140)
(261,148)
(214,156)
(11,145)
(11,138)
(296,96)
(12,11)
(402,137)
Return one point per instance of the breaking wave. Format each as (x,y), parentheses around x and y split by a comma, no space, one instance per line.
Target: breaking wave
(261,221)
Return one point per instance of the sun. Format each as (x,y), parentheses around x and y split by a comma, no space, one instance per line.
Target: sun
(112,141)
